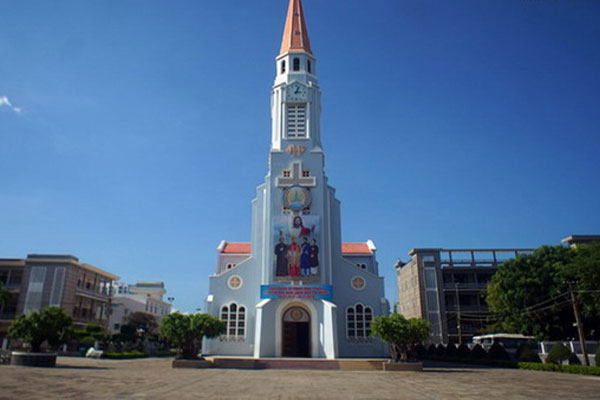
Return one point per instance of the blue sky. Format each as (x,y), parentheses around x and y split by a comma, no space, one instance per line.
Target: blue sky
(133,133)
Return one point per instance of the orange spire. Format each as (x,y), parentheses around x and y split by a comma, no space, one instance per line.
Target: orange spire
(295,35)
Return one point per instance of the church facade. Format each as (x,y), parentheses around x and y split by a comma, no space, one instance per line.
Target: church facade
(296,290)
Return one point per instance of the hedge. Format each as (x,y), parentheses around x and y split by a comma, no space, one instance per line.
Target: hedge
(136,354)
(126,355)
(570,369)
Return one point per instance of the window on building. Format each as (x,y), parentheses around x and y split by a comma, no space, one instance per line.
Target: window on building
(283,67)
(117,327)
(234,317)
(296,64)
(358,322)
(296,120)
(305,173)
(309,66)
(286,173)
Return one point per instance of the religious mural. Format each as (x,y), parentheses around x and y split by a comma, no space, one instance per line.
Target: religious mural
(296,246)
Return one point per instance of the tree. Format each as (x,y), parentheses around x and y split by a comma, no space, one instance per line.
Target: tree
(186,331)
(91,334)
(400,333)
(51,325)
(143,322)
(530,293)
(521,284)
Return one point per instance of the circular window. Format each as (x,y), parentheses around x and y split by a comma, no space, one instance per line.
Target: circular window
(234,282)
(358,283)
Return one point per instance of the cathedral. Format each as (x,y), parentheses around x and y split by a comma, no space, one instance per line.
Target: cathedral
(295,290)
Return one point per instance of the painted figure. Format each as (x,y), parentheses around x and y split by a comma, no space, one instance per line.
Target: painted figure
(281,253)
(300,229)
(314,257)
(293,255)
(305,257)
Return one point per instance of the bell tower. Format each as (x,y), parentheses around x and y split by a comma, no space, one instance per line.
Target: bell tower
(296,98)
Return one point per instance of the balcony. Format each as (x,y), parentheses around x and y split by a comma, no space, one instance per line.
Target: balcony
(465,286)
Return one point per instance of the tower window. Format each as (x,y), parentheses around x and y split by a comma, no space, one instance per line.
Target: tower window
(305,173)
(296,64)
(296,120)
(309,66)
(283,67)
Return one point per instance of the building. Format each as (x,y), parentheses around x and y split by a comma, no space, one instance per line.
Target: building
(447,287)
(574,240)
(295,290)
(145,297)
(42,280)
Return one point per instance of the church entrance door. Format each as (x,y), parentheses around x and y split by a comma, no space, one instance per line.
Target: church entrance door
(296,333)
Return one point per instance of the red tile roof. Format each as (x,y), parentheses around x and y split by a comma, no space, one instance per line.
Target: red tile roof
(237,248)
(347,248)
(356,248)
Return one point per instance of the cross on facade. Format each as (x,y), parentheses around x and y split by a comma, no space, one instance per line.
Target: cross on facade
(296,178)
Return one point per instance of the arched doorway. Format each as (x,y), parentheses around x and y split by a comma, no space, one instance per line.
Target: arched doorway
(296,333)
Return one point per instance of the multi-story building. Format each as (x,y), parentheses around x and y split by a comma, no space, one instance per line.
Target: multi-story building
(447,288)
(41,280)
(146,297)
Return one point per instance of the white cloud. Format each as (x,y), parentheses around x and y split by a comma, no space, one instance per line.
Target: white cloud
(4,102)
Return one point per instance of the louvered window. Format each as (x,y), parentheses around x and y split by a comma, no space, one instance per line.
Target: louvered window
(296,120)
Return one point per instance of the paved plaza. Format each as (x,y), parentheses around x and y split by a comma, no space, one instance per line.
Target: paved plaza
(78,378)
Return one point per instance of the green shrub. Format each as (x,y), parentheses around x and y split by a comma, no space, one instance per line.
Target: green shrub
(440,351)
(570,369)
(463,352)
(598,357)
(558,353)
(526,354)
(432,350)
(574,360)
(420,350)
(497,352)
(478,352)
(451,350)
(122,356)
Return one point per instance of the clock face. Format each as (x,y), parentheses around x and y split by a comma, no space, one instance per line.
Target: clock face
(296,92)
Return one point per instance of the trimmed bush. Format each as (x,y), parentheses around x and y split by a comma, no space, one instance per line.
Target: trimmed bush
(478,352)
(497,352)
(440,351)
(451,350)
(432,350)
(420,350)
(570,369)
(574,360)
(463,352)
(526,354)
(558,353)
(122,356)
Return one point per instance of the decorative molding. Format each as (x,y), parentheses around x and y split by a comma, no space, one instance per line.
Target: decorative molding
(295,151)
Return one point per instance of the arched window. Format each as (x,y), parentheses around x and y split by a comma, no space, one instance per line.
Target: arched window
(283,67)
(296,64)
(234,317)
(309,66)
(358,322)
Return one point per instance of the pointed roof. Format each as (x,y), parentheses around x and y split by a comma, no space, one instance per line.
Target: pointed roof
(295,35)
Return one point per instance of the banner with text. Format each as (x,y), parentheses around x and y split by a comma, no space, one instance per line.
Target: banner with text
(315,292)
